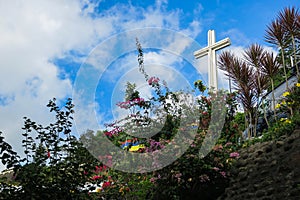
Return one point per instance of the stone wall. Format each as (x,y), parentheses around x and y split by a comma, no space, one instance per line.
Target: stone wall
(269,170)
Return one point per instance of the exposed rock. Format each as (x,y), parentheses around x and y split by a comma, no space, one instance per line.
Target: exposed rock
(279,143)
(269,170)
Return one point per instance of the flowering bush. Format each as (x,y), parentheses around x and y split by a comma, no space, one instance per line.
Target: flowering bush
(290,102)
(190,174)
(288,117)
(193,177)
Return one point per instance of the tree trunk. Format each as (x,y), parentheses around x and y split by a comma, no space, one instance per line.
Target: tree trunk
(265,114)
(273,98)
(250,126)
(284,70)
(255,120)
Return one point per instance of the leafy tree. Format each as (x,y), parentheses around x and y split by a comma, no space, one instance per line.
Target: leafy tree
(54,162)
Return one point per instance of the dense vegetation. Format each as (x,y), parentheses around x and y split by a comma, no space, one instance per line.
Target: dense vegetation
(58,166)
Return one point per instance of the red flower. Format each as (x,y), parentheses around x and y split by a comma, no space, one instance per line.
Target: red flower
(98,169)
(96,177)
(48,154)
(106,184)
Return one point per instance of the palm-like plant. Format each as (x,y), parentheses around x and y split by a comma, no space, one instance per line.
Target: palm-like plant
(289,18)
(270,66)
(276,35)
(243,78)
(253,55)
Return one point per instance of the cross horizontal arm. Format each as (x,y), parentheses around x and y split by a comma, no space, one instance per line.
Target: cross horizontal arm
(216,46)
(200,53)
(221,44)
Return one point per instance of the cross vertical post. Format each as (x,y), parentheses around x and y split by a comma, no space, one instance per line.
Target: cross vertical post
(210,51)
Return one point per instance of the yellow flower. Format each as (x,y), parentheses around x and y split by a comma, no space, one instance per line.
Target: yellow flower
(277,106)
(286,94)
(288,121)
(297,84)
(283,103)
(283,119)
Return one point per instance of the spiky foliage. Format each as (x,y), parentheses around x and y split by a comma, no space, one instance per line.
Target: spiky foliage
(253,56)
(289,18)
(276,35)
(251,76)
(270,66)
(243,77)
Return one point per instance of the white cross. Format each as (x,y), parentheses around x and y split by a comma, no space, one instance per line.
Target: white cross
(210,50)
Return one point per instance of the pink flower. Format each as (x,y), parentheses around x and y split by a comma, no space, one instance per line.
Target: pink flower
(158,176)
(234,155)
(108,133)
(152,180)
(228,144)
(216,168)
(178,175)
(204,113)
(223,174)
(98,169)
(129,103)
(153,80)
(137,101)
(113,132)
(218,147)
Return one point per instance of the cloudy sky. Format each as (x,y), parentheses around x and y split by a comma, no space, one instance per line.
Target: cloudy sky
(85,49)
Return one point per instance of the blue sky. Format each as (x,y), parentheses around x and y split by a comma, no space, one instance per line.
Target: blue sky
(46,46)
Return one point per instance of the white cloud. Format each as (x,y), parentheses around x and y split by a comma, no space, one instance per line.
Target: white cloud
(34,32)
